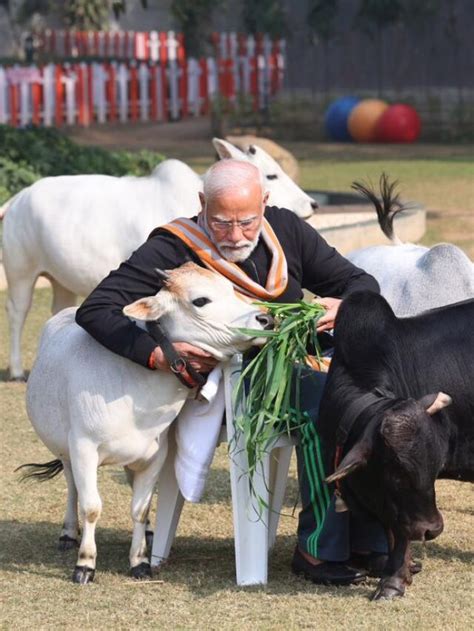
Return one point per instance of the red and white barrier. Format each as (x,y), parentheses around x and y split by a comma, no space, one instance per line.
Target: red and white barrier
(168,87)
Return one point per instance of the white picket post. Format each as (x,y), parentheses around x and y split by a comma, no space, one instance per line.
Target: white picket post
(154,46)
(143,76)
(173,75)
(99,78)
(49,95)
(212,78)
(69,81)
(101,44)
(122,79)
(3,97)
(159,92)
(193,86)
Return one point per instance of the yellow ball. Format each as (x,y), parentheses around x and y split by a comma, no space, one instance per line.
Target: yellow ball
(362,122)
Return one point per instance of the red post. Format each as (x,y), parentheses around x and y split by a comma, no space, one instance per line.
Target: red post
(133,93)
(96,43)
(59,92)
(14,104)
(90,92)
(36,98)
(81,96)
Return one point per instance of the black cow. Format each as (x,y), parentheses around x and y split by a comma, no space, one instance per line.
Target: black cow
(397,430)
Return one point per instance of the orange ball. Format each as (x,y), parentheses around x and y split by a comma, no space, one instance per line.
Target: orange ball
(363,119)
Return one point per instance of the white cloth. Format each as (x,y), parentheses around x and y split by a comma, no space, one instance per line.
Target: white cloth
(197,431)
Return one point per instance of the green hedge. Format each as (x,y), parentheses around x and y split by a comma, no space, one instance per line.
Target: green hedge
(29,154)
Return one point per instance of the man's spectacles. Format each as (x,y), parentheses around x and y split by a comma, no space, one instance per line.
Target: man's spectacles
(225,226)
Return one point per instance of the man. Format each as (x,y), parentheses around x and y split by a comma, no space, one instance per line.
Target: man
(266,252)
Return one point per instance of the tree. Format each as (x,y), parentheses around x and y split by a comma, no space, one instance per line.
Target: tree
(373,17)
(265,16)
(321,21)
(194,21)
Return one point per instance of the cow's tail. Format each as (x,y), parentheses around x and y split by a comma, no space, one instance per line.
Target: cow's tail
(387,205)
(41,472)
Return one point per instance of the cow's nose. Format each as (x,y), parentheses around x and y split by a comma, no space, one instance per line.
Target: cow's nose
(265,320)
(434,530)
(314,204)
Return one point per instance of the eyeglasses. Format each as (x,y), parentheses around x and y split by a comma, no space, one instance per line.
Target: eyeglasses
(225,226)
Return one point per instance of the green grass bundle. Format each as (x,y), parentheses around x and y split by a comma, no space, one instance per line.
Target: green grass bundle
(266,398)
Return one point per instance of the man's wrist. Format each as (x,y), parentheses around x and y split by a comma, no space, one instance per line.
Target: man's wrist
(156,358)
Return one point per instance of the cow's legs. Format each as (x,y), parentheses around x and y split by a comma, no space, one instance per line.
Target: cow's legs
(144,482)
(62,297)
(85,460)
(20,293)
(70,530)
(148,529)
(397,571)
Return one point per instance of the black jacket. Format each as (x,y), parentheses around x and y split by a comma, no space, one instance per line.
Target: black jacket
(312,265)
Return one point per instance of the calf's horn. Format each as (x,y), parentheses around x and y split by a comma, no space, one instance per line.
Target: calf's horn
(162,273)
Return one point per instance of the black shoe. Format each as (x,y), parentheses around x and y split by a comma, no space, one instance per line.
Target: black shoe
(325,573)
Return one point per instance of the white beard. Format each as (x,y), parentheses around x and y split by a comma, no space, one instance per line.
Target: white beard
(237,252)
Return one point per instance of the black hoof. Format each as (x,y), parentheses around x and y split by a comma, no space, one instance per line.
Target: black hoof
(149,539)
(141,571)
(67,543)
(83,575)
(389,589)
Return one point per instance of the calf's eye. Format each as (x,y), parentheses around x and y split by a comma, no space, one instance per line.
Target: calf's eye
(200,302)
(273,176)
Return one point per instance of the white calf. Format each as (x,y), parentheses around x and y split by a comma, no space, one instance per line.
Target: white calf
(91,407)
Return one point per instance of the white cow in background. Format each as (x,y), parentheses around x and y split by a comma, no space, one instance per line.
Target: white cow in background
(412,278)
(75,229)
(91,407)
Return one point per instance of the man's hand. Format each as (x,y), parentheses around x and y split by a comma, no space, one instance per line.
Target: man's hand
(326,322)
(197,358)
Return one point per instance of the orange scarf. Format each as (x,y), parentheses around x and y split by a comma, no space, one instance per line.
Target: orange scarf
(197,239)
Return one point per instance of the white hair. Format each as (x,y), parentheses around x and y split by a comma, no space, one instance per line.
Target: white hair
(230,174)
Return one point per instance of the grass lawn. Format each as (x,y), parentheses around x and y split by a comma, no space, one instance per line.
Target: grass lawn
(198,586)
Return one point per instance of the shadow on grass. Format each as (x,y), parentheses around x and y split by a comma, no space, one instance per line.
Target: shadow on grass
(204,566)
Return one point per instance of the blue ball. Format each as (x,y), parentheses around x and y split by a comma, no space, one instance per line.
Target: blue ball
(336,117)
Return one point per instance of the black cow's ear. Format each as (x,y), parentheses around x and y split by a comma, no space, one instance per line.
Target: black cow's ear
(356,458)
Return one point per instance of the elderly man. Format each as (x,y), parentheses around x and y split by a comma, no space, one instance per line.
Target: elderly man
(267,252)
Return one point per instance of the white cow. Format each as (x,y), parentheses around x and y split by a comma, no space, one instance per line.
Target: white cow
(91,407)
(413,278)
(75,229)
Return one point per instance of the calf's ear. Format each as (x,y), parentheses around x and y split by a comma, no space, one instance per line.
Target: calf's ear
(435,402)
(226,150)
(150,308)
(356,458)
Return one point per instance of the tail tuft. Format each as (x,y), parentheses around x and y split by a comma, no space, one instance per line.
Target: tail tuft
(388,205)
(41,472)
